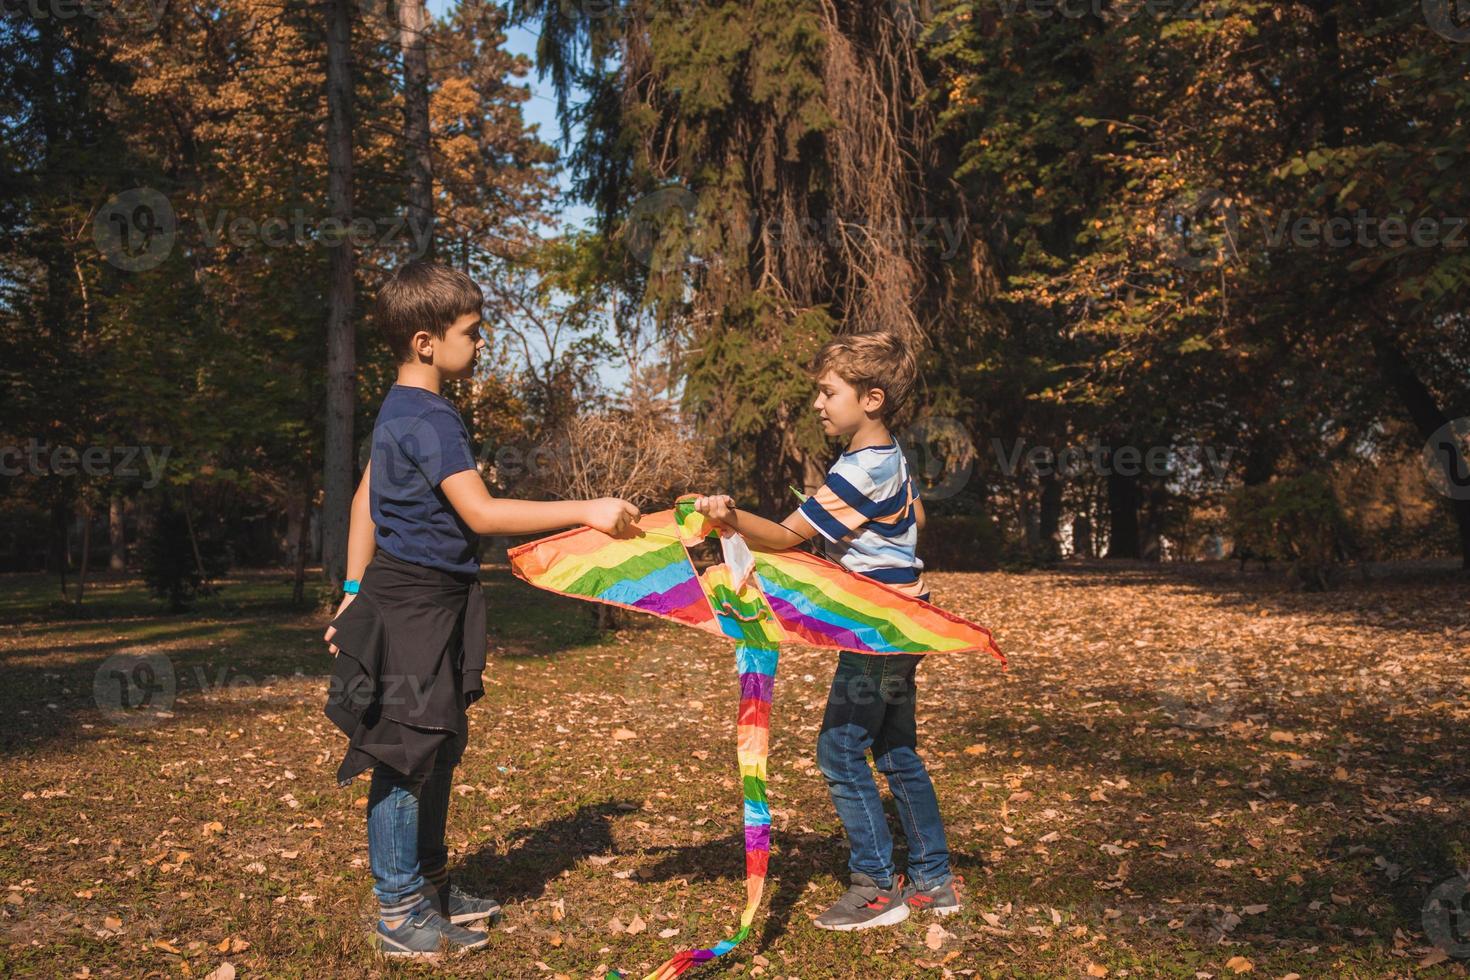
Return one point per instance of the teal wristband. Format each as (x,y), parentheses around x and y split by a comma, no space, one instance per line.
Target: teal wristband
(351,586)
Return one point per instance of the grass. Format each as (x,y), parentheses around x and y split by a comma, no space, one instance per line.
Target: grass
(1185,772)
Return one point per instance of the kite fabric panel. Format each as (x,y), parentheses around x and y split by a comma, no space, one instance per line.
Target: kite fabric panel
(760,600)
(814,601)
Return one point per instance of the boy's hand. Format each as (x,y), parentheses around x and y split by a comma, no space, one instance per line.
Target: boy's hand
(332,630)
(610,515)
(719,508)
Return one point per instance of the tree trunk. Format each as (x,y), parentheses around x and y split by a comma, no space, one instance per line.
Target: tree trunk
(1122,513)
(194,539)
(337,478)
(61,543)
(1151,537)
(1261,456)
(1429,419)
(301,517)
(117,536)
(412,27)
(1049,522)
(86,551)
(1082,536)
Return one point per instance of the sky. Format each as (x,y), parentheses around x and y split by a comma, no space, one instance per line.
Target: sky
(541,108)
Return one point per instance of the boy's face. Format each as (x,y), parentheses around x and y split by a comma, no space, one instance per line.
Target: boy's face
(842,408)
(453,354)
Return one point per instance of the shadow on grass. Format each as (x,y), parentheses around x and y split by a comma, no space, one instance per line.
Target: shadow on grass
(537,855)
(798,859)
(245,633)
(530,623)
(1361,851)
(1395,589)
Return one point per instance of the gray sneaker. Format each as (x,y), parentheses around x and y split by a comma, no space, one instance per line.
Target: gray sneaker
(460,907)
(940,899)
(424,933)
(866,906)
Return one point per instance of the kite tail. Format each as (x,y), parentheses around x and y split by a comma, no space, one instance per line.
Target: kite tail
(757,667)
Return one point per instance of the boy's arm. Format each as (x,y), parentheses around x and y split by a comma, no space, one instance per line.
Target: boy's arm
(485,514)
(362,543)
(757,530)
(919,519)
(362,537)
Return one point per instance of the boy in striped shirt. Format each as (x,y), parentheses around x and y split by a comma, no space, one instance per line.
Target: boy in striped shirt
(868,516)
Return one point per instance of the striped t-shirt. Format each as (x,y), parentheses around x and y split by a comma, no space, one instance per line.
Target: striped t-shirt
(865,514)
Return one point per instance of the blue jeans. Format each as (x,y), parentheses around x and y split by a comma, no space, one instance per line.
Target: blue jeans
(405,829)
(871,706)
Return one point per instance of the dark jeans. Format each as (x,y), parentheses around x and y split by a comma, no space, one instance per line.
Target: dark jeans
(871,706)
(405,828)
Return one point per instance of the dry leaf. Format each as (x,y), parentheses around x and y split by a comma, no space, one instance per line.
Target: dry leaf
(1096,970)
(1239,964)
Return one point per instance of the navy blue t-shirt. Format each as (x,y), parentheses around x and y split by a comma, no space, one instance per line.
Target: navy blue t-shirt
(418,440)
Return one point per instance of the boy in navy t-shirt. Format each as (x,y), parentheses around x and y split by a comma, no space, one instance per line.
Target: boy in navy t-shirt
(410,632)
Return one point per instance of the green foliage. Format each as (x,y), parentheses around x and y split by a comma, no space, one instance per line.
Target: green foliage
(964,543)
(1298,519)
(170,568)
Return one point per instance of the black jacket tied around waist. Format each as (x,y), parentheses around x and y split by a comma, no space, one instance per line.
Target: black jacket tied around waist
(412,655)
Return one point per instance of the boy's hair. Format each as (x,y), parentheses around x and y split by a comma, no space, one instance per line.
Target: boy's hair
(879,359)
(423,296)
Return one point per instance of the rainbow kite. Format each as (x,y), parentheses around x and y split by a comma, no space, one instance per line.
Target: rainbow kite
(758,599)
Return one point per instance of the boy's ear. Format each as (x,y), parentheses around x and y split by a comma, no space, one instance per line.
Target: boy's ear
(422,345)
(873,400)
